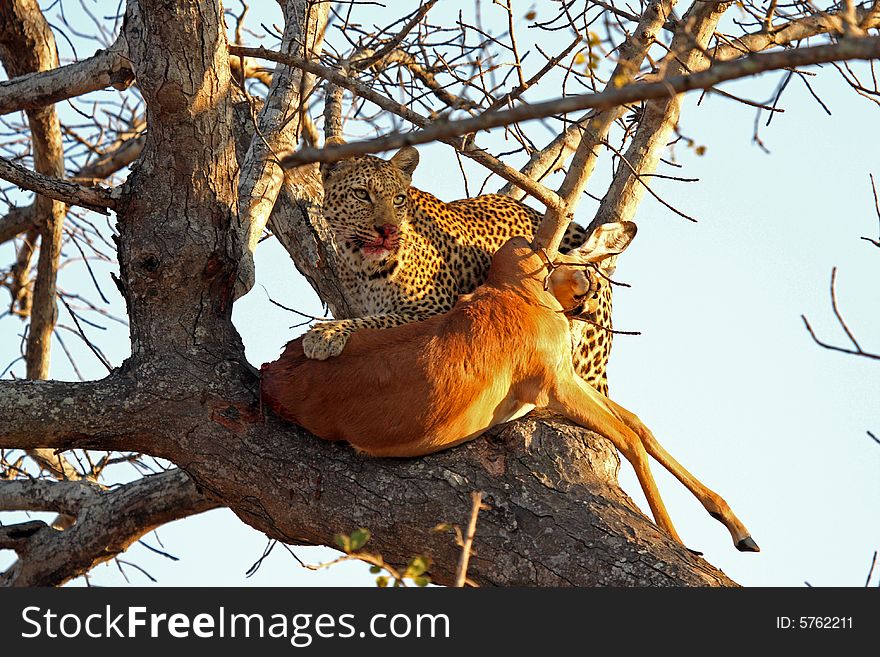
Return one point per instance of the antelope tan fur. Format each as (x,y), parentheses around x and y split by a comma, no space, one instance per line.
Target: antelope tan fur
(500,352)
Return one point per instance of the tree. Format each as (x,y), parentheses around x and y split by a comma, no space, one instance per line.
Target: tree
(205,182)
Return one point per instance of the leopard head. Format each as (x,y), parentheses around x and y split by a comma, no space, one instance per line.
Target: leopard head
(367,206)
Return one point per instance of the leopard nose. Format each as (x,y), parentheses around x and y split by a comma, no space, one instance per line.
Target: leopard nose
(386,230)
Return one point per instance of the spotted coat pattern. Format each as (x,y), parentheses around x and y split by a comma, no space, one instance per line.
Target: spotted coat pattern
(439,251)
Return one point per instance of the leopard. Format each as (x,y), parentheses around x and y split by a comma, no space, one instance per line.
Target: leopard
(404,255)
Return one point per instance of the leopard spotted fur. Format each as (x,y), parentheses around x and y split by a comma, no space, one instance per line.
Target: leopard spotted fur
(405,255)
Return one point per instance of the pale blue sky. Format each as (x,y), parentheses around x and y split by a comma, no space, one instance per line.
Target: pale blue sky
(723,373)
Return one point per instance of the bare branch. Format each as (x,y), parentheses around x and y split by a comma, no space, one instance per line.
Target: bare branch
(856,349)
(593,133)
(98,199)
(16,537)
(124,150)
(15,222)
(57,414)
(868,48)
(43,495)
(876,209)
(791,31)
(28,44)
(106,68)
(277,126)
(108,522)
(467,148)
(392,43)
(659,117)
(595,125)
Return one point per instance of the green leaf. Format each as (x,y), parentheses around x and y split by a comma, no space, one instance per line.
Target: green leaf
(382,581)
(375,570)
(417,566)
(423,580)
(343,541)
(359,538)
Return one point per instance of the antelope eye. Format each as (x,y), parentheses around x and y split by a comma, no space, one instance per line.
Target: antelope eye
(400,199)
(362,194)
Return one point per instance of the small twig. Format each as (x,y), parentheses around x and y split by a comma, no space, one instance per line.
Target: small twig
(88,342)
(858,351)
(259,562)
(293,554)
(292,310)
(647,187)
(476,505)
(397,38)
(119,563)
(871,570)
(603,327)
(876,209)
(158,551)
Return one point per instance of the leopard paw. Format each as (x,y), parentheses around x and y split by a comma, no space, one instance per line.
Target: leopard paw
(324,341)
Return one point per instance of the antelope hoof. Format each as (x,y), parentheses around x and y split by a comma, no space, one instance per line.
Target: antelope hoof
(748,545)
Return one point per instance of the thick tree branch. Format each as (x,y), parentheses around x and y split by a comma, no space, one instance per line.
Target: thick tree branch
(791,31)
(557,516)
(104,69)
(59,415)
(660,116)
(297,222)
(71,193)
(43,495)
(15,222)
(27,44)
(277,127)
(15,537)
(108,522)
(865,48)
(631,53)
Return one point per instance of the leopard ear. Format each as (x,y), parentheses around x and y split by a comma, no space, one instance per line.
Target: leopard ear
(406,159)
(328,168)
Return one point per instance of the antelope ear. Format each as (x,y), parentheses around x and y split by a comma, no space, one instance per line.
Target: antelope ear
(607,241)
(328,168)
(406,159)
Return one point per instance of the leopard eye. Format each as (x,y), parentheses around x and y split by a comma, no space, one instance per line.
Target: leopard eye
(362,194)
(400,199)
